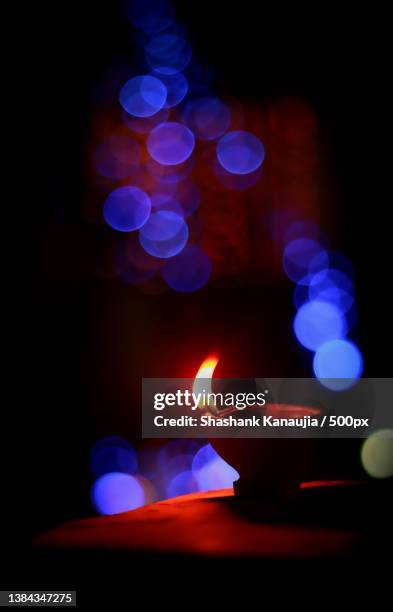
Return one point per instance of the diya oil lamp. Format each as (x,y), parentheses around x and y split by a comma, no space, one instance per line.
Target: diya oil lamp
(269,468)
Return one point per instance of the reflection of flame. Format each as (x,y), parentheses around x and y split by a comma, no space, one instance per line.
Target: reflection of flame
(205,374)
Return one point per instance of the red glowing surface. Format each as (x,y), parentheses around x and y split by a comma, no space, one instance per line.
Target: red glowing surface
(201,524)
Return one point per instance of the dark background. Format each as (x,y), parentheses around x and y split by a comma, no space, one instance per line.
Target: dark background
(335,58)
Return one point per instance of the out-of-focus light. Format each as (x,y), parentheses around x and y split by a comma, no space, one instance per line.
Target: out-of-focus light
(211,471)
(127,209)
(209,118)
(216,474)
(116,492)
(166,248)
(143,96)
(332,286)
(303,257)
(174,28)
(168,51)
(188,271)
(338,364)
(377,454)
(300,295)
(150,16)
(182,484)
(177,464)
(170,143)
(338,261)
(169,175)
(164,44)
(162,225)
(144,125)
(176,447)
(281,219)
(175,83)
(304,228)
(162,201)
(240,152)
(203,456)
(112,454)
(148,462)
(117,157)
(318,322)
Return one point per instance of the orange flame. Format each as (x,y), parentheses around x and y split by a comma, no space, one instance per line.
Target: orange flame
(204,375)
(207,368)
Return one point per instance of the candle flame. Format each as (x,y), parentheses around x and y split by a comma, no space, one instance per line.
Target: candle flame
(207,367)
(204,375)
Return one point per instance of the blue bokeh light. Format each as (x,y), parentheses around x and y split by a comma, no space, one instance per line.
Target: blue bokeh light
(209,118)
(182,484)
(189,271)
(168,51)
(281,219)
(162,201)
(339,261)
(150,16)
(337,364)
(127,209)
(170,143)
(174,465)
(317,322)
(303,228)
(164,44)
(303,257)
(203,456)
(332,286)
(112,454)
(300,295)
(116,492)
(211,471)
(162,225)
(144,125)
(169,175)
(176,85)
(164,249)
(176,447)
(143,96)
(240,152)
(217,474)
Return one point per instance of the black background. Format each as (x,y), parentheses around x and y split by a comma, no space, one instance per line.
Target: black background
(336,58)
